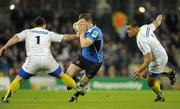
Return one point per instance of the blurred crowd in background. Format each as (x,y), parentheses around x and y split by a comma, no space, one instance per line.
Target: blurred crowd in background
(120,53)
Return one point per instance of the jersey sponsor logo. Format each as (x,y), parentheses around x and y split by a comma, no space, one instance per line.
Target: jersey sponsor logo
(39,32)
(94,34)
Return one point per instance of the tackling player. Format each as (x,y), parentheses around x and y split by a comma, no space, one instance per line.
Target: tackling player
(37,41)
(155,56)
(91,57)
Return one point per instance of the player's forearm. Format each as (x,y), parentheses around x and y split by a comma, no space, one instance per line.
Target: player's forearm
(11,41)
(69,37)
(157,22)
(145,64)
(83,41)
(143,67)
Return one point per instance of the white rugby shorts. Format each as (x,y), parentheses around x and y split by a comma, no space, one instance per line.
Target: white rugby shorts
(33,64)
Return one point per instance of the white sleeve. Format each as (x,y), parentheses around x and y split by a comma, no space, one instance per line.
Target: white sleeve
(56,37)
(144,47)
(22,35)
(147,29)
(152,26)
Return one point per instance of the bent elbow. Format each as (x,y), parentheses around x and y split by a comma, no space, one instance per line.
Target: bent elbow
(149,60)
(83,46)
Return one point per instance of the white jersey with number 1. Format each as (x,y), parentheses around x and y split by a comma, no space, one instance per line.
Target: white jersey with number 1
(148,42)
(38,42)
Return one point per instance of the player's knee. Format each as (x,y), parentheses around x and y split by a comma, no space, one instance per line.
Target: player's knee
(144,76)
(72,72)
(19,78)
(83,82)
(68,72)
(150,83)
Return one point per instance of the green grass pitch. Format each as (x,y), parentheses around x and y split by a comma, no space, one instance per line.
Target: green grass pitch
(28,99)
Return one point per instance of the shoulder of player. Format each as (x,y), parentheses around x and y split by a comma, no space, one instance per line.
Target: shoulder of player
(23,31)
(26,30)
(94,28)
(96,31)
(43,29)
(141,38)
(143,27)
(145,30)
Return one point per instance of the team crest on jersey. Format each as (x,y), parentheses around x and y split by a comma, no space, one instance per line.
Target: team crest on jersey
(95,34)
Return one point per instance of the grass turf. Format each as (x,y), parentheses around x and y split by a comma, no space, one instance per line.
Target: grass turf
(29,99)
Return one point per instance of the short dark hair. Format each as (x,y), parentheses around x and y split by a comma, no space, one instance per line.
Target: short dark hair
(39,21)
(86,16)
(133,23)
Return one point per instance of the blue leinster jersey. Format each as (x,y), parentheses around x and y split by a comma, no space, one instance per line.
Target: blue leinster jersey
(94,52)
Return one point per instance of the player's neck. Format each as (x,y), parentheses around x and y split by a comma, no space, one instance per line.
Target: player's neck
(90,26)
(40,27)
(137,32)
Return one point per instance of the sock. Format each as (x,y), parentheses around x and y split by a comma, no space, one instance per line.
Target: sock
(68,81)
(156,88)
(165,74)
(13,88)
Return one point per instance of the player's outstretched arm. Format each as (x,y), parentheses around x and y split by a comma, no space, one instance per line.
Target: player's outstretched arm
(69,37)
(157,22)
(10,42)
(147,61)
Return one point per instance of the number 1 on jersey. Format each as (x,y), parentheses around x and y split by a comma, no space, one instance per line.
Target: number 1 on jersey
(38,39)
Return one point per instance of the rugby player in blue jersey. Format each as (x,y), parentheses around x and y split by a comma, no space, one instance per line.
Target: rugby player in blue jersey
(91,56)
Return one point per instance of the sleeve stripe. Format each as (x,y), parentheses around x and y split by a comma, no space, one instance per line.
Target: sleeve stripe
(141,47)
(147,31)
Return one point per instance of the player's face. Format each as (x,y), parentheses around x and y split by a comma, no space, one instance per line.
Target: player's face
(131,31)
(83,23)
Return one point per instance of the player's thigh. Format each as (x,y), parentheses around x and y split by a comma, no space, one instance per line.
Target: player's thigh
(53,68)
(49,63)
(73,70)
(77,66)
(163,62)
(28,68)
(153,73)
(154,69)
(158,65)
(92,69)
(31,64)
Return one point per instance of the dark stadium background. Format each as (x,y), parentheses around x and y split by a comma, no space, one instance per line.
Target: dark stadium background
(121,55)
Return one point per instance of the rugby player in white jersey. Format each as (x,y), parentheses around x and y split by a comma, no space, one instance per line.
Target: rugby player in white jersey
(155,56)
(38,41)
